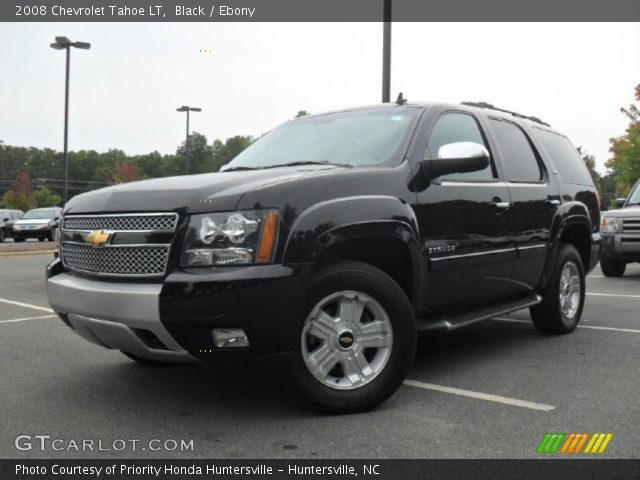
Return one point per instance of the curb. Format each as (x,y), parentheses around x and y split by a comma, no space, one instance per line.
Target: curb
(26,254)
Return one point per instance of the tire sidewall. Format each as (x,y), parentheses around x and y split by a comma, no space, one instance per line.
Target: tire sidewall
(397,307)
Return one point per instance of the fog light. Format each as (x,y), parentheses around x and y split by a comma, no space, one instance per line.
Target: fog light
(229,338)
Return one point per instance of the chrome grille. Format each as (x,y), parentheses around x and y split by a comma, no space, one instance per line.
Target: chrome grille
(116,260)
(155,222)
(631,225)
(123,251)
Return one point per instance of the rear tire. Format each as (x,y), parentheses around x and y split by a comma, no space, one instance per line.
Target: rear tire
(18,240)
(563,299)
(358,341)
(41,239)
(2,235)
(612,267)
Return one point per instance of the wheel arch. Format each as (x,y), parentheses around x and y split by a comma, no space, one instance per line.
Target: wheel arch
(377,230)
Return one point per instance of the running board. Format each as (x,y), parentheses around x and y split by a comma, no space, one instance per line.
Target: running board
(452,322)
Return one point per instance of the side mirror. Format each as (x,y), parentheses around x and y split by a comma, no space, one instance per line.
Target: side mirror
(459,157)
(620,202)
(6,219)
(56,218)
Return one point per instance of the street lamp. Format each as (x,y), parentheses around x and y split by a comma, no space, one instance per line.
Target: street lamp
(186,108)
(63,43)
(386,52)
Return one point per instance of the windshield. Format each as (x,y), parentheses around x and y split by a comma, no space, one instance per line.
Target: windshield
(356,138)
(39,214)
(634,197)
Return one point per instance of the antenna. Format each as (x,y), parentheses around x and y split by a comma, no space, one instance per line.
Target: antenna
(401,100)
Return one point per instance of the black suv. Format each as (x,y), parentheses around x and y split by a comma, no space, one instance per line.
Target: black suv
(621,234)
(332,241)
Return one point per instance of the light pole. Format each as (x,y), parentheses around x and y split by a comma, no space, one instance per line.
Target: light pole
(186,108)
(63,43)
(386,52)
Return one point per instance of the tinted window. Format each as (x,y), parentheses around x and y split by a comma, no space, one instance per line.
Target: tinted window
(458,127)
(520,161)
(564,156)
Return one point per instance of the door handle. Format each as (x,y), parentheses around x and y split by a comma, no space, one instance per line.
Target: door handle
(501,205)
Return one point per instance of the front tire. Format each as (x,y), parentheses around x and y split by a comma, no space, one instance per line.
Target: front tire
(563,299)
(358,341)
(612,267)
(2,235)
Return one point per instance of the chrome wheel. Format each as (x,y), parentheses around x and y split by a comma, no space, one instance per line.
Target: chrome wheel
(570,290)
(346,340)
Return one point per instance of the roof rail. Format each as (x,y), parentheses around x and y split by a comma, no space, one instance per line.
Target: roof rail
(515,114)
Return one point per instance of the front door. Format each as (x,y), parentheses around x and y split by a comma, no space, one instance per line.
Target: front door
(467,242)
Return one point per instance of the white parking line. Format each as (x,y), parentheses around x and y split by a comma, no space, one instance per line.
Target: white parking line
(612,295)
(591,327)
(14,320)
(26,305)
(481,396)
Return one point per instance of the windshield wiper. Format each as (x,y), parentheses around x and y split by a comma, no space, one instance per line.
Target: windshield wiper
(310,162)
(237,169)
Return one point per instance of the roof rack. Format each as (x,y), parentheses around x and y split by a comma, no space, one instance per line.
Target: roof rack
(515,114)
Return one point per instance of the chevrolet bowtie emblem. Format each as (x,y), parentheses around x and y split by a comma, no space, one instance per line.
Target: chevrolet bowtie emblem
(98,238)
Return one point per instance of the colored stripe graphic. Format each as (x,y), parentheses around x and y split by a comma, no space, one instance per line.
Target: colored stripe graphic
(572,443)
(598,443)
(551,442)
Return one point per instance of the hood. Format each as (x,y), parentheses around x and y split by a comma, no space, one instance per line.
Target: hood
(189,193)
(633,211)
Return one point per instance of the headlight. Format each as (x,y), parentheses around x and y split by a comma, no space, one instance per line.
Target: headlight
(234,238)
(44,225)
(611,225)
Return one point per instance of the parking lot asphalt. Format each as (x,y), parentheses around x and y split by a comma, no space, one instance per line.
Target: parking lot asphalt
(492,390)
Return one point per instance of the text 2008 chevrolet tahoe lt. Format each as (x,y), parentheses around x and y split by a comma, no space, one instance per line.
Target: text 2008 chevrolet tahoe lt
(332,241)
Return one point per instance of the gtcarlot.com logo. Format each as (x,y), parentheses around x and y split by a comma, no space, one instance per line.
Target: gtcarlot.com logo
(555,442)
(43,442)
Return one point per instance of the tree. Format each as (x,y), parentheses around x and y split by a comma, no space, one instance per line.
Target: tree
(302,113)
(125,171)
(198,153)
(46,198)
(590,162)
(625,162)
(21,196)
(223,153)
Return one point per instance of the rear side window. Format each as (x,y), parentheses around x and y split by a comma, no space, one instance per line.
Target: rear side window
(564,156)
(521,163)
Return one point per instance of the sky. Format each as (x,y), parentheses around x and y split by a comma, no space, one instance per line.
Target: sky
(250,77)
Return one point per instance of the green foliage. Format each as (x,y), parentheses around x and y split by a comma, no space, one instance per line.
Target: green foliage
(625,162)
(21,196)
(89,169)
(302,113)
(46,198)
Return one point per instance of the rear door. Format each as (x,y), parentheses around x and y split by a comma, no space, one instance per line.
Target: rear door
(534,201)
(463,222)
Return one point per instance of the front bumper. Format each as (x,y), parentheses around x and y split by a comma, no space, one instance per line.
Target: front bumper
(266,301)
(622,246)
(31,232)
(115,315)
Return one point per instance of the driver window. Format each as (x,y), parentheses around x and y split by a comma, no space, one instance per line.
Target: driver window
(459,127)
